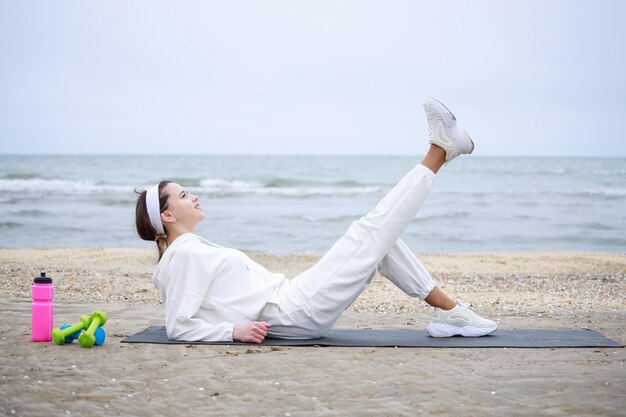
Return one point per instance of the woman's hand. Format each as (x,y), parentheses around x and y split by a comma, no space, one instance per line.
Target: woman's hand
(254,332)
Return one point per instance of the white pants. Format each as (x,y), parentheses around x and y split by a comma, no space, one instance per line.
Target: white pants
(310,304)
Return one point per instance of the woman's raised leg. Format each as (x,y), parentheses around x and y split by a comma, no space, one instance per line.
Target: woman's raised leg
(314,299)
(312,302)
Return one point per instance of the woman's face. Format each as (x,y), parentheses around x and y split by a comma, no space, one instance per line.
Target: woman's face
(182,206)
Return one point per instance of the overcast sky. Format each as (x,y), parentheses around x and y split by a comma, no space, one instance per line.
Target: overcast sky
(316,77)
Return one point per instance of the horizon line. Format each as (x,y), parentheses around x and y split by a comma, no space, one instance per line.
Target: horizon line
(307,154)
(299,155)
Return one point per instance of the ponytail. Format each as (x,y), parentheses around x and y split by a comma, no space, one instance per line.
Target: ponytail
(161,241)
(145,230)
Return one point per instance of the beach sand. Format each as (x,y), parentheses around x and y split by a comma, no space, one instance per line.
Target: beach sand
(556,290)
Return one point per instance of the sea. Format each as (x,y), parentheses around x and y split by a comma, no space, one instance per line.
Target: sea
(303,204)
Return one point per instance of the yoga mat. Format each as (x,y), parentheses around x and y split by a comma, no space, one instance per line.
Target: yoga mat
(522,338)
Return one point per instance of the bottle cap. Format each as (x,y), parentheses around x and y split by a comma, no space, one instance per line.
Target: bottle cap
(43,279)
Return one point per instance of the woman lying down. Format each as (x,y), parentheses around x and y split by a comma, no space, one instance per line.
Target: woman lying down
(213,293)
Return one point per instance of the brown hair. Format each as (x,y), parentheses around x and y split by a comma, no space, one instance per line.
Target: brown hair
(145,230)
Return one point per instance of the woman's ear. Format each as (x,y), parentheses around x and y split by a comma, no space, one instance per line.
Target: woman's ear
(167,217)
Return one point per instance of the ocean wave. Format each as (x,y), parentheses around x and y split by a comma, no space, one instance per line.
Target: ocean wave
(123,202)
(216,184)
(599,192)
(593,241)
(606,193)
(322,218)
(29,213)
(122,193)
(186,182)
(220,187)
(444,215)
(21,176)
(609,172)
(594,226)
(212,186)
(59,185)
(10,225)
(290,182)
(516,171)
(610,194)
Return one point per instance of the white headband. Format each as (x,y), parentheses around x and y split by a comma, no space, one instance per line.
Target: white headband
(154,209)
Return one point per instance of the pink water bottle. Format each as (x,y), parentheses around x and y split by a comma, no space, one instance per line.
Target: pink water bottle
(42,308)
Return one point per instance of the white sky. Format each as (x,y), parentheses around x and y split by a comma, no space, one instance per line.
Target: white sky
(317,77)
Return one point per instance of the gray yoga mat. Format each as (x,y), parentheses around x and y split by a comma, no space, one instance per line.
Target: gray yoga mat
(522,338)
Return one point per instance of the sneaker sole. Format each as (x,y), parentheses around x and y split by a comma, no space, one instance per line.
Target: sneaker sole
(444,111)
(471,141)
(446,330)
(438,107)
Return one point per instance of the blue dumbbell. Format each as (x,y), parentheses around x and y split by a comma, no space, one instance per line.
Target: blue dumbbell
(99,334)
(70,338)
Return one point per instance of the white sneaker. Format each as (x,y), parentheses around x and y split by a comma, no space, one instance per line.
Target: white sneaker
(443,130)
(459,320)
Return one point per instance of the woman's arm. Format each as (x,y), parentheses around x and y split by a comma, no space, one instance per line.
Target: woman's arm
(254,332)
(184,326)
(190,275)
(181,323)
(190,278)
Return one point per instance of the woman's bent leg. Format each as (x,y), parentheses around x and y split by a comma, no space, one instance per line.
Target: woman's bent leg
(405,271)
(313,301)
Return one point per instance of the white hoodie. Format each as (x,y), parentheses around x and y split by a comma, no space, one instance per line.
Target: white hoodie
(207,289)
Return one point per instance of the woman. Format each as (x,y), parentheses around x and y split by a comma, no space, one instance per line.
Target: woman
(214,293)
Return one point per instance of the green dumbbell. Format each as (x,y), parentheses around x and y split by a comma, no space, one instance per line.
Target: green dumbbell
(87,338)
(59,335)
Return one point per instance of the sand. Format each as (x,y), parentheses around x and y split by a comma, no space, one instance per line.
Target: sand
(557,290)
